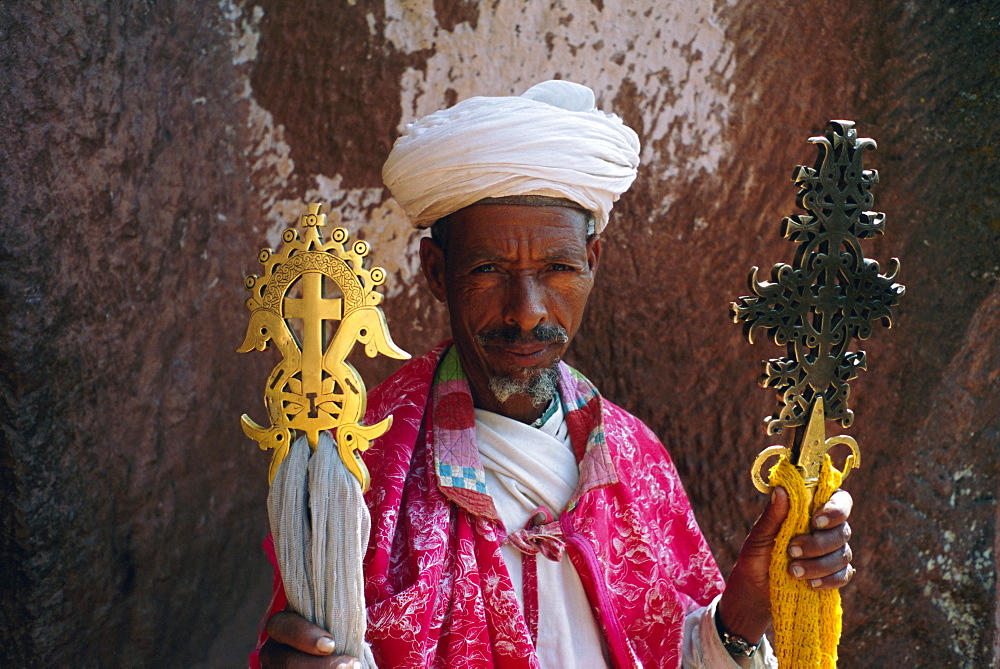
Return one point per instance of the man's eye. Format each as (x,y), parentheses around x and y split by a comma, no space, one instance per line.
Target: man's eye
(485,268)
(560,267)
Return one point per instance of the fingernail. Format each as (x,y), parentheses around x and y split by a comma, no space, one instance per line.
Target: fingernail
(795,551)
(798,572)
(822,521)
(325,645)
(816,582)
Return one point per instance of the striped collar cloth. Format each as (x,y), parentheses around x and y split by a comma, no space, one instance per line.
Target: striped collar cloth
(459,469)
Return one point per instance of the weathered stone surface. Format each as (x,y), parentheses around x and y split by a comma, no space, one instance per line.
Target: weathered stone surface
(131,501)
(178,138)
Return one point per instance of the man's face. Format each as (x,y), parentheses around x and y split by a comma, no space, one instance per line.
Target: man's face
(515,279)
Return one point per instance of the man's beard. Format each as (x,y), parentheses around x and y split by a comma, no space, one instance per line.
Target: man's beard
(540,385)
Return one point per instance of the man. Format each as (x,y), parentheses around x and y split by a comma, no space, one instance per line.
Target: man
(520,519)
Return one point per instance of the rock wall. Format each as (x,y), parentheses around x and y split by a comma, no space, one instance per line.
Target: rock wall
(131,500)
(149,149)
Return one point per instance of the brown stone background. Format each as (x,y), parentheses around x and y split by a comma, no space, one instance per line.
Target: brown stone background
(148,149)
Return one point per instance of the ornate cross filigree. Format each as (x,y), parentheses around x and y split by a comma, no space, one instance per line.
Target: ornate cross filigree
(314,388)
(831,293)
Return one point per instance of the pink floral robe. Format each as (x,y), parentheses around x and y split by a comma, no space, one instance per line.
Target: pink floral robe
(437,588)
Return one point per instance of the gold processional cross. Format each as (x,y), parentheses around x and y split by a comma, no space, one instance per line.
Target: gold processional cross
(314,387)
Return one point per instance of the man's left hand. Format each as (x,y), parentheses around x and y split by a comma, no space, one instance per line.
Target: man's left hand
(821,557)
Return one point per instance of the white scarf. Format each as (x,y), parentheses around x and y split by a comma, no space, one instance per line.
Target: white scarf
(528,467)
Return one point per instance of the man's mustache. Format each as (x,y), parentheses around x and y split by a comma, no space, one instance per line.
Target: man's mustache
(512,334)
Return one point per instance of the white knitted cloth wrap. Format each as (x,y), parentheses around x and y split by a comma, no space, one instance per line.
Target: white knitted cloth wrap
(551,141)
(320,525)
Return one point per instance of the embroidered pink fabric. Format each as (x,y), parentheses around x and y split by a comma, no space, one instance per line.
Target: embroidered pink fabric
(437,588)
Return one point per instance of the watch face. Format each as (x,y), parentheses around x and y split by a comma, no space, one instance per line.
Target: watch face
(736,645)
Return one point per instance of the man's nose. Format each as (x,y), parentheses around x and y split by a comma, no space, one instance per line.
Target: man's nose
(526,306)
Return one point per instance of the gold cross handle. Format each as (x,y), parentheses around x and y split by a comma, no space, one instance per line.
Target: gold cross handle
(814,446)
(355,439)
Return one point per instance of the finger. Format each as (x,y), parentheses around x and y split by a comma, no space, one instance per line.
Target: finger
(819,542)
(766,528)
(274,655)
(775,512)
(293,630)
(821,568)
(834,512)
(834,581)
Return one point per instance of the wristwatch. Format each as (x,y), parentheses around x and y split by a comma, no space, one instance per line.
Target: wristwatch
(734,644)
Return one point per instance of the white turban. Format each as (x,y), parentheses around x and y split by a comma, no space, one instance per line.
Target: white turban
(552,141)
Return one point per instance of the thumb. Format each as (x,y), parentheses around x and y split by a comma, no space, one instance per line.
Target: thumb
(763,533)
(746,597)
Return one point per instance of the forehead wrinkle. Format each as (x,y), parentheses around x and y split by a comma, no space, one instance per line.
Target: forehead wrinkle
(511,233)
(482,252)
(567,252)
(557,252)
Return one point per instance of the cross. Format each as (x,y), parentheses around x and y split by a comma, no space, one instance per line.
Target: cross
(831,294)
(313,309)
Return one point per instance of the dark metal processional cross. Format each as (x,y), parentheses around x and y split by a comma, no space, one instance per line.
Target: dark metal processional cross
(829,295)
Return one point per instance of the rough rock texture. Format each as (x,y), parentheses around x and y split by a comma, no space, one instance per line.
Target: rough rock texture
(147,150)
(131,500)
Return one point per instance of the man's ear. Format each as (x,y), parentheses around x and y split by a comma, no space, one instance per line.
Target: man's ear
(433,266)
(594,253)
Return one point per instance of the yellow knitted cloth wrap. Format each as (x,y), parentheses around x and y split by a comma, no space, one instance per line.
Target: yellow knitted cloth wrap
(807,622)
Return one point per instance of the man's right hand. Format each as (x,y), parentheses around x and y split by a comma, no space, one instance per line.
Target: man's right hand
(296,642)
